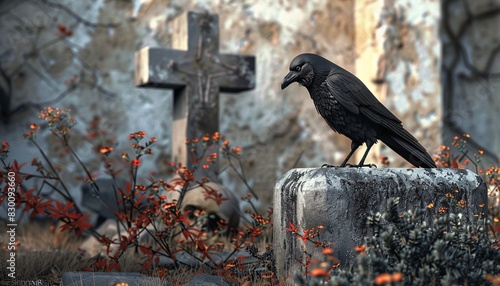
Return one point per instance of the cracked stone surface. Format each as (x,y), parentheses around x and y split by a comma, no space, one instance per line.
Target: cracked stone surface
(341,199)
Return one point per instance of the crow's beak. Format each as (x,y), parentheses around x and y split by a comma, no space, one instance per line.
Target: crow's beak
(289,78)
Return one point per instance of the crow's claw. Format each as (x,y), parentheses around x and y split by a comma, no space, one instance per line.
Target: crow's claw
(361,166)
(329,166)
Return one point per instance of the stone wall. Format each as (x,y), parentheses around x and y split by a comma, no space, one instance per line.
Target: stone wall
(393,46)
(471,75)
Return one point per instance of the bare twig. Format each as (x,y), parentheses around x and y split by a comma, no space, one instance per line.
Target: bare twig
(78,18)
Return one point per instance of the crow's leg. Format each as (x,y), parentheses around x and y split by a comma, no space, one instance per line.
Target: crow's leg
(362,162)
(354,147)
(368,147)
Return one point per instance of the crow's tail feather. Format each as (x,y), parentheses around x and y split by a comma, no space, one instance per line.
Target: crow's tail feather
(412,151)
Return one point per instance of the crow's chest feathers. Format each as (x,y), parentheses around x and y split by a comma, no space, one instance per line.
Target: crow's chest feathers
(331,110)
(341,120)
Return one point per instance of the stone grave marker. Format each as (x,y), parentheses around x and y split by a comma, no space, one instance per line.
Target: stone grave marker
(107,278)
(205,279)
(132,279)
(196,74)
(341,199)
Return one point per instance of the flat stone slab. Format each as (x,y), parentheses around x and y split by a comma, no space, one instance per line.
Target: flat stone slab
(341,199)
(132,279)
(107,278)
(206,280)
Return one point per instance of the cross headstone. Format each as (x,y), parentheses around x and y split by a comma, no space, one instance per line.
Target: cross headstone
(196,74)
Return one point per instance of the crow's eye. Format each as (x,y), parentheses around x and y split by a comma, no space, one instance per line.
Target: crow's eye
(297,68)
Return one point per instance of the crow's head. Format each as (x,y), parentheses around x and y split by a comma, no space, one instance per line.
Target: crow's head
(305,69)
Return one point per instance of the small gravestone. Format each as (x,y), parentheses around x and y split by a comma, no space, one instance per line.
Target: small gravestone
(206,280)
(133,279)
(341,199)
(108,278)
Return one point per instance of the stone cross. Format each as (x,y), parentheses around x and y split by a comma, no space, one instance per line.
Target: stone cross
(196,74)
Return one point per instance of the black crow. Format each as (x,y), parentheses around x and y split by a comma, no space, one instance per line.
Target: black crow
(351,109)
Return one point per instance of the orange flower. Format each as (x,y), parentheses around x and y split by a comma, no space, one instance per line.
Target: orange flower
(125,156)
(328,251)
(136,162)
(170,205)
(62,28)
(383,278)
(137,135)
(236,151)
(360,248)
(29,135)
(442,210)
(396,277)
(495,280)
(216,136)
(4,148)
(212,157)
(319,272)
(268,275)
(33,126)
(141,188)
(106,150)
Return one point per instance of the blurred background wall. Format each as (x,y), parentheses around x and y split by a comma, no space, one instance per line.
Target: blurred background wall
(433,63)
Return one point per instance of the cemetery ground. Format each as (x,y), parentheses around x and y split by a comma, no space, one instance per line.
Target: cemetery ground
(156,231)
(44,254)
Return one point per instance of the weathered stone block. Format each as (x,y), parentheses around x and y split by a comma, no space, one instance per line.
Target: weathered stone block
(132,278)
(107,278)
(341,199)
(206,280)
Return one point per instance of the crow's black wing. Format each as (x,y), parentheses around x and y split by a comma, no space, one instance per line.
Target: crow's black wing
(355,96)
